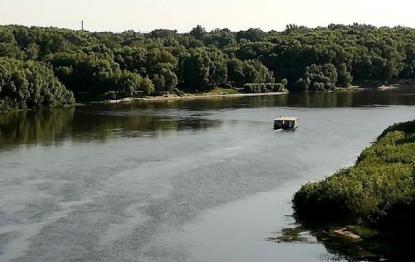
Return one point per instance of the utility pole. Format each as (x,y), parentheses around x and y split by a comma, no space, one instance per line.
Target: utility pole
(82,25)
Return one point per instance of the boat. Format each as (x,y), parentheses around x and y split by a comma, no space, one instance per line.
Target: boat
(285,123)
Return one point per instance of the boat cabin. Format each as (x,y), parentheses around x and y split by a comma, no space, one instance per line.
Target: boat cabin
(286,123)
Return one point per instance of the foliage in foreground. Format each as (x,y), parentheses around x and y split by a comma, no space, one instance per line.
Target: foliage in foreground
(378,191)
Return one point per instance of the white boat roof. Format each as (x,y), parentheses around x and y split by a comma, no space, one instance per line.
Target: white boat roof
(286,118)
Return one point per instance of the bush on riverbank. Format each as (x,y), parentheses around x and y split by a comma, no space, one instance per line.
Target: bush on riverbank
(30,85)
(264,87)
(378,190)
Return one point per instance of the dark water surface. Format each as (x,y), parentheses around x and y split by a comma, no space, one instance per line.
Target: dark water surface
(200,180)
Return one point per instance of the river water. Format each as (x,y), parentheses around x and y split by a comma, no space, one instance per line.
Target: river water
(198,180)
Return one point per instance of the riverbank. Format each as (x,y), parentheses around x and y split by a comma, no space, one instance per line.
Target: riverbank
(174,97)
(374,199)
(353,88)
(233,93)
(382,86)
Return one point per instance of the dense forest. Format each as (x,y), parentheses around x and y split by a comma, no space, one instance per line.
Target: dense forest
(46,66)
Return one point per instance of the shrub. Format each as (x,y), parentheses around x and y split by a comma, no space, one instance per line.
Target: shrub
(263,87)
(321,77)
(380,181)
(30,85)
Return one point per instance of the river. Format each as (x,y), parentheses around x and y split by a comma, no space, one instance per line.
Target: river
(198,180)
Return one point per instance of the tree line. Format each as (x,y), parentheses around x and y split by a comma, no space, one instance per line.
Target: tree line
(116,65)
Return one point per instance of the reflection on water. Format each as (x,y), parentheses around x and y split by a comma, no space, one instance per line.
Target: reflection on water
(85,124)
(103,122)
(340,248)
(46,127)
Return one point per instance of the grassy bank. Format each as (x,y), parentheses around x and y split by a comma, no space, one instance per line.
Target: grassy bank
(377,193)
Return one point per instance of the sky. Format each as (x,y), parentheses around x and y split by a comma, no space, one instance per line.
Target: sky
(183,15)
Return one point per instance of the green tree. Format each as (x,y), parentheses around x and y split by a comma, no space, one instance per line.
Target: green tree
(236,74)
(30,85)
(198,32)
(147,86)
(195,69)
(256,72)
(321,77)
(344,77)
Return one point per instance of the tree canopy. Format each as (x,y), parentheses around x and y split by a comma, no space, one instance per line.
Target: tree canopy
(132,63)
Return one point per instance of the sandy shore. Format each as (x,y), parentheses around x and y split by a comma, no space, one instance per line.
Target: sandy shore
(186,97)
(389,87)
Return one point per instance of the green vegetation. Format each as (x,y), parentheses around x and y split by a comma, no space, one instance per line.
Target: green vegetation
(99,65)
(30,85)
(291,235)
(378,192)
(223,91)
(321,77)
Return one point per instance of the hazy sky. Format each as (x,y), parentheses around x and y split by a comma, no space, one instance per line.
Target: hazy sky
(146,15)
